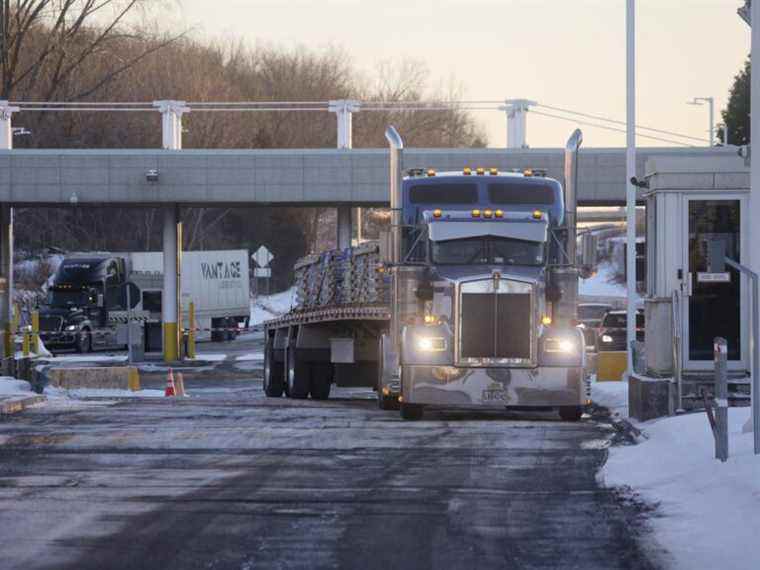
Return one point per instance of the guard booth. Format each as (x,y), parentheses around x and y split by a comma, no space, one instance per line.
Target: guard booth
(690,200)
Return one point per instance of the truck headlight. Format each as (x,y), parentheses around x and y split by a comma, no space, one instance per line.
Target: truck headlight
(70,328)
(563,345)
(606,338)
(430,344)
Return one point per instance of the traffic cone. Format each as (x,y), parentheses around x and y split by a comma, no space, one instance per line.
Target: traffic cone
(170,389)
(180,385)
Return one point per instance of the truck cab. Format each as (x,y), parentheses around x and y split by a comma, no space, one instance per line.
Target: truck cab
(84,293)
(482,300)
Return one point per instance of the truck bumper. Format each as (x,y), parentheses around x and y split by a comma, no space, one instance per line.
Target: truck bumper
(59,340)
(494,387)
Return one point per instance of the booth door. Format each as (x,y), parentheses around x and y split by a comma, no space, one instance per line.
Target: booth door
(713,302)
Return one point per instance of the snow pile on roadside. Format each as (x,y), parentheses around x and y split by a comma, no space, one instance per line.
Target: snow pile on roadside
(611,395)
(53,392)
(602,283)
(710,511)
(266,307)
(11,387)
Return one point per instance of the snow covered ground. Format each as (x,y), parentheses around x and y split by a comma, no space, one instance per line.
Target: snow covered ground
(709,512)
(11,387)
(265,307)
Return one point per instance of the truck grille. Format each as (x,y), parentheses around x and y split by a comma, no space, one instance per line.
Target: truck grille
(497,326)
(50,324)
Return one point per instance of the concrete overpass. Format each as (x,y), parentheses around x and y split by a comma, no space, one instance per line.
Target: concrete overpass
(348,177)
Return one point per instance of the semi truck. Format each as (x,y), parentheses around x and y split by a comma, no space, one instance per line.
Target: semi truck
(480,267)
(91,297)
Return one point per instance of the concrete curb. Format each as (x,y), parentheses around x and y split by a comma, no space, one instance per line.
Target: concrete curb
(16,404)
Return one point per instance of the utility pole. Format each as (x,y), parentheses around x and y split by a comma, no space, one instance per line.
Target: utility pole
(711,106)
(630,195)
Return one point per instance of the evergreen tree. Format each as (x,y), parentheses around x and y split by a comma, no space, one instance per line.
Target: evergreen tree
(736,114)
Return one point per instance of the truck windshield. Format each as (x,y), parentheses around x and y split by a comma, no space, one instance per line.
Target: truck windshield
(491,250)
(57,298)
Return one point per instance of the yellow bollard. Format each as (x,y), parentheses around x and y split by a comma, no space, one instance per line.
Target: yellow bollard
(611,365)
(191,332)
(36,332)
(134,379)
(25,343)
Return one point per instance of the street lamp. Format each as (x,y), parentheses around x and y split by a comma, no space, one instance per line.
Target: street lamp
(630,175)
(711,104)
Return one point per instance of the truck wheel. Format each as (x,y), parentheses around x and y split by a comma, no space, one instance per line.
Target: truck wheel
(387,402)
(321,381)
(274,383)
(298,376)
(84,342)
(412,412)
(571,413)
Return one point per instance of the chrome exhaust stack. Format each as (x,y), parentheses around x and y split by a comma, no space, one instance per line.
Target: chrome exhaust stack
(395,181)
(565,277)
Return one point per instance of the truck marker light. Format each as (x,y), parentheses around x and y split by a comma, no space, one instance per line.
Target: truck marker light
(606,338)
(437,213)
(480,171)
(476,213)
(547,320)
(493,171)
(431,172)
(528,172)
(467,171)
(430,319)
(386,391)
(537,214)
(487,213)
(498,214)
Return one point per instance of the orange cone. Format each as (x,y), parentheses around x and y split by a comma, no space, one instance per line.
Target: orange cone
(170,389)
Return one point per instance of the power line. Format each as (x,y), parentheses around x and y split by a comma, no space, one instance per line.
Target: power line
(586,123)
(617,122)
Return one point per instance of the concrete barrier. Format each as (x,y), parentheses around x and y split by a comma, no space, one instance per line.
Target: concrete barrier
(103,378)
(611,365)
(650,398)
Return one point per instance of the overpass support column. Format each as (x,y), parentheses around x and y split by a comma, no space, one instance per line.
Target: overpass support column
(517,123)
(171,122)
(6,242)
(6,279)
(170,299)
(344,110)
(344,226)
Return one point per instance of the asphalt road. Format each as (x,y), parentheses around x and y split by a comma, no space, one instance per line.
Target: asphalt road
(230,479)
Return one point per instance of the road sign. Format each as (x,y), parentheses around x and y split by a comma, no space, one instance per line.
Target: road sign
(262,257)
(264,272)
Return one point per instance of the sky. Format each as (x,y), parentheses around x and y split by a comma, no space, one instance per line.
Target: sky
(567,54)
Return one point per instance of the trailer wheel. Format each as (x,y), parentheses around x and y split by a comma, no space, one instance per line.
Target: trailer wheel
(570,413)
(274,383)
(411,412)
(321,381)
(298,375)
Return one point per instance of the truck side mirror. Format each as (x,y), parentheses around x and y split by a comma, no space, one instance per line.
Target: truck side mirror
(386,245)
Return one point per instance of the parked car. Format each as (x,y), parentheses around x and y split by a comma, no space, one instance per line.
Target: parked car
(590,317)
(612,333)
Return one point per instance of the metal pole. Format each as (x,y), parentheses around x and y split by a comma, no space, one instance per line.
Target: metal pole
(755,359)
(130,355)
(630,174)
(711,104)
(720,352)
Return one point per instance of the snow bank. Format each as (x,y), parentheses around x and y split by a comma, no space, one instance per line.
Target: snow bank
(266,307)
(52,392)
(250,356)
(710,511)
(10,387)
(602,283)
(611,395)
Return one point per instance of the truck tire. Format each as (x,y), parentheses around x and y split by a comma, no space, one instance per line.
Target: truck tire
(571,413)
(84,342)
(274,381)
(298,377)
(321,381)
(411,412)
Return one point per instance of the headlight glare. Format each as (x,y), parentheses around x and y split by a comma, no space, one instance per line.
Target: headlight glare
(559,344)
(606,338)
(71,328)
(430,344)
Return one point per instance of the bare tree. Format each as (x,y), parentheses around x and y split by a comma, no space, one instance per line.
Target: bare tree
(49,41)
